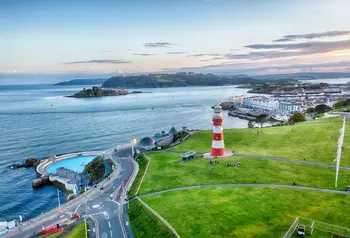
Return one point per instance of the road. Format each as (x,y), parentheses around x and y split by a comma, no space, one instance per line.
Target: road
(342,114)
(106,208)
(104,204)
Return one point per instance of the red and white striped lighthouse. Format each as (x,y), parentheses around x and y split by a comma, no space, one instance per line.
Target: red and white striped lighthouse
(218,147)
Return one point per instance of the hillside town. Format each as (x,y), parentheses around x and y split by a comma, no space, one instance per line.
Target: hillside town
(281,104)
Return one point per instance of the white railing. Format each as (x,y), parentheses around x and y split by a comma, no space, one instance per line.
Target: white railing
(311,225)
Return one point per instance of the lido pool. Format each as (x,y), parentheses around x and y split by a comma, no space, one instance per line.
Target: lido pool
(76,164)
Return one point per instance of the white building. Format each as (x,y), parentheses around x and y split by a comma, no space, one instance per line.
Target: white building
(237,99)
(262,102)
(289,107)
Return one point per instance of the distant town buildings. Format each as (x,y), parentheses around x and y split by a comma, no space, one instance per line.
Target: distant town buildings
(261,102)
(287,102)
(289,107)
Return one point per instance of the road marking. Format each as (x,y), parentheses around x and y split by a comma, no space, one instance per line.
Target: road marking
(104,235)
(109,224)
(111,234)
(106,215)
(76,210)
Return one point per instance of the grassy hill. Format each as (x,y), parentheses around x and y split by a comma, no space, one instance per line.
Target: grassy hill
(249,211)
(311,141)
(166,172)
(246,212)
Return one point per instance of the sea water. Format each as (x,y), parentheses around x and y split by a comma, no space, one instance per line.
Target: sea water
(39,121)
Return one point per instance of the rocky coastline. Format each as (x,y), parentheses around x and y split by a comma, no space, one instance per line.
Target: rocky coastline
(30,162)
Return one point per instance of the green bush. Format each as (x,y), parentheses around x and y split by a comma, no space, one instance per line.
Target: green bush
(297,117)
(342,103)
(95,170)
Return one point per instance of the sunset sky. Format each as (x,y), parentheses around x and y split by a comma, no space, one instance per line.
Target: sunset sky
(142,36)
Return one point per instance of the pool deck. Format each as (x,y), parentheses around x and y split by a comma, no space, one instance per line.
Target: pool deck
(41,169)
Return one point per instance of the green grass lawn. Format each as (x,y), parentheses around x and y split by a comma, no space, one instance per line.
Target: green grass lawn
(142,161)
(166,172)
(312,141)
(246,212)
(145,224)
(78,231)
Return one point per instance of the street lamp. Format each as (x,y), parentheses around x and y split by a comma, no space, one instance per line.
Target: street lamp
(133,143)
(85,218)
(58,200)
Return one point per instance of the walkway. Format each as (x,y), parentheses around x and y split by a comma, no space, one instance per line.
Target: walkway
(270,158)
(244,185)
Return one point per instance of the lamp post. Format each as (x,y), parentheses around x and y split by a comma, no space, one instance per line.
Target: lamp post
(340,147)
(58,200)
(133,143)
(85,218)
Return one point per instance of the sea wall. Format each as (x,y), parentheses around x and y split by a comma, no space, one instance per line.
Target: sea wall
(64,182)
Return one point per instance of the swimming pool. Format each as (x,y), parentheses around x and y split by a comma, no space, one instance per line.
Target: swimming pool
(76,164)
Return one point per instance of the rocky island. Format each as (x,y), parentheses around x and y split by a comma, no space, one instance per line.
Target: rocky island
(100,92)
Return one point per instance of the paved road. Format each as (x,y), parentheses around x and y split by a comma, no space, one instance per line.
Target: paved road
(342,114)
(244,185)
(101,204)
(271,158)
(106,208)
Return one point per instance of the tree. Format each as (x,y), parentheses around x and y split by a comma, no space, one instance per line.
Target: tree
(250,124)
(261,119)
(342,103)
(297,117)
(322,108)
(310,110)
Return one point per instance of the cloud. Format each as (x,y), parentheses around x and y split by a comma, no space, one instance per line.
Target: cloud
(158,44)
(100,61)
(312,36)
(176,53)
(304,46)
(144,54)
(250,68)
(291,50)
(215,58)
(211,1)
(204,55)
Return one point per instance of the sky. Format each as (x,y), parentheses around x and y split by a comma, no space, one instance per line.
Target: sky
(143,36)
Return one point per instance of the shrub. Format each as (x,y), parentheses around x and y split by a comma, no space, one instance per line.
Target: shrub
(297,117)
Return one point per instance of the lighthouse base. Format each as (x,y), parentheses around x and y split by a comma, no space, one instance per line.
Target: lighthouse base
(209,156)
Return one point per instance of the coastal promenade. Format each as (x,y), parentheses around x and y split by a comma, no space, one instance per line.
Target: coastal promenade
(105,205)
